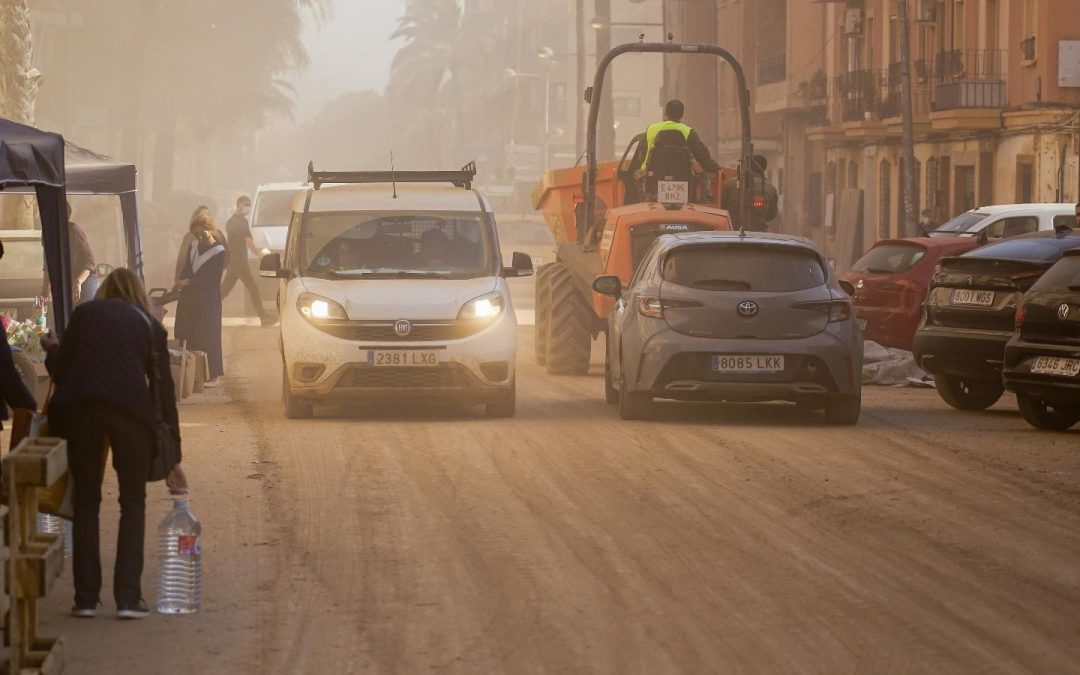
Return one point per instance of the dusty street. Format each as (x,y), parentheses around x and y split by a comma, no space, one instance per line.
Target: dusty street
(713,538)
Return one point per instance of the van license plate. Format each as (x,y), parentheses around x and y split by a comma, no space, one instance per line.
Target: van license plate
(733,363)
(401,358)
(963,296)
(673,191)
(1053,365)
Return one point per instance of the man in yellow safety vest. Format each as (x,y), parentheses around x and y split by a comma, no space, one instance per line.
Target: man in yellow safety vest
(673,115)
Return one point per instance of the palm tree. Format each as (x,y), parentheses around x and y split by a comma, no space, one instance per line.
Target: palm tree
(18,83)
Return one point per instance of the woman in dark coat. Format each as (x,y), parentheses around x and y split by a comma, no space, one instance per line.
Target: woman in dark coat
(102,395)
(198,312)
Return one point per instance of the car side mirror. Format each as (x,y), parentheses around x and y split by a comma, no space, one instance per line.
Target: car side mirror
(270,266)
(610,286)
(520,266)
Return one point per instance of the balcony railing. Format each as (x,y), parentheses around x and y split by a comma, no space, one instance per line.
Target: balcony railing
(952,80)
(772,69)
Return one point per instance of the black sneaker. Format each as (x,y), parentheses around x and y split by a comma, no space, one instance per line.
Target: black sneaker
(83,612)
(139,611)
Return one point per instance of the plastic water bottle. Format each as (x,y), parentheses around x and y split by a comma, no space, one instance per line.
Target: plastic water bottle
(179,561)
(47,523)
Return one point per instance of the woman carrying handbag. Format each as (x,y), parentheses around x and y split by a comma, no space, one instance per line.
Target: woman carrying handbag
(113,384)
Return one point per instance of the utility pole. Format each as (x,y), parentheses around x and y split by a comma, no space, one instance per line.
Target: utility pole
(911,219)
(581,110)
(605,136)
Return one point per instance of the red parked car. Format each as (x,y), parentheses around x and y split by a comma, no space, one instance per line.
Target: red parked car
(889,285)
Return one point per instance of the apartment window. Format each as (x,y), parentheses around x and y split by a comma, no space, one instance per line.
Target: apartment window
(853,175)
(627,105)
(1030,27)
(993,38)
(931,184)
(1025,180)
(884,199)
(901,217)
(960,24)
(830,178)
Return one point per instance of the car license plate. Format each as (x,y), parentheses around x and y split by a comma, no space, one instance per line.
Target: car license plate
(673,191)
(736,363)
(963,296)
(863,323)
(401,358)
(1054,365)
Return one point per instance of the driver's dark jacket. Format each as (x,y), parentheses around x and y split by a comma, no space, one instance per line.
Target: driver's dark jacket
(698,150)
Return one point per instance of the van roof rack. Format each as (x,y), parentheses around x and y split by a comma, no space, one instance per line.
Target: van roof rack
(462,178)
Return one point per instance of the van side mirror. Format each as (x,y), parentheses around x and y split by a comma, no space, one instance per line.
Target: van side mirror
(520,266)
(270,266)
(610,286)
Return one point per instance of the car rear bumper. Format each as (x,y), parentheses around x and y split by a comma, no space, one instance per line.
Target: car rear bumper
(677,366)
(887,326)
(1018,377)
(960,352)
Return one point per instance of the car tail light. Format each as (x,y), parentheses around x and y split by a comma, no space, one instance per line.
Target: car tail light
(654,307)
(1021,312)
(839,310)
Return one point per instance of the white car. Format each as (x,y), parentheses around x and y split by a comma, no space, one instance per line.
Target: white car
(1008,220)
(271,213)
(395,289)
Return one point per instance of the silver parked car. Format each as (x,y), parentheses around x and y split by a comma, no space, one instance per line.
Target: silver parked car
(729,316)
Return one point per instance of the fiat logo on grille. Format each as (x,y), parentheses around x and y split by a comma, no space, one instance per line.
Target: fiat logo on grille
(748,308)
(1063,312)
(403,327)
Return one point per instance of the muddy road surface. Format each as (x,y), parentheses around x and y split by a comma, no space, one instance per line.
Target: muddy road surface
(713,538)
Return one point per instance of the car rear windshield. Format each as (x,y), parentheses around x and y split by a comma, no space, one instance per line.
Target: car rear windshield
(1065,274)
(890,259)
(420,244)
(22,260)
(1033,249)
(963,222)
(744,267)
(273,208)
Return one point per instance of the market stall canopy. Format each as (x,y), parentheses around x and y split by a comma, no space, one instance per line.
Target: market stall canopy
(33,158)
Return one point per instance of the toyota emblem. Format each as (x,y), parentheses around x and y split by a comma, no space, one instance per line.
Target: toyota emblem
(1063,312)
(748,308)
(403,327)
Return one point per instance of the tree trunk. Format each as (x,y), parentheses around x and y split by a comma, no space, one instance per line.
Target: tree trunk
(18,94)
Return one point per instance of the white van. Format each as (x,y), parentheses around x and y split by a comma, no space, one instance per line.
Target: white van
(392,285)
(1008,220)
(271,213)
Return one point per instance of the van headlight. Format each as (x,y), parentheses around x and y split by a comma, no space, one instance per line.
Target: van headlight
(317,308)
(485,308)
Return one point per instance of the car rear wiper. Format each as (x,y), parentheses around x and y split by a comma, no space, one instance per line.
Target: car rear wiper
(875,270)
(734,284)
(1075,288)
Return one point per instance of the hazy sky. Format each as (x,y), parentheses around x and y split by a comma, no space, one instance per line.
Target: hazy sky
(349,52)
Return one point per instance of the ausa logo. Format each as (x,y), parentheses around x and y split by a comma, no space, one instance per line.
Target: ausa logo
(748,308)
(1063,312)
(403,327)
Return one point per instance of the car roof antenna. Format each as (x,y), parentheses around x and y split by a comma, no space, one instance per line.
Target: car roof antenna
(393,176)
(742,231)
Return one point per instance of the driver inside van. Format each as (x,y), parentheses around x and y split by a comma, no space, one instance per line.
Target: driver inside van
(434,248)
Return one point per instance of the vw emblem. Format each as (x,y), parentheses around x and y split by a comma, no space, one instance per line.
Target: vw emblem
(1063,312)
(403,327)
(748,308)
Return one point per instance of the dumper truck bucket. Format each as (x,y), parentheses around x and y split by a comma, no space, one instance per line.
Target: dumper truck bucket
(561,192)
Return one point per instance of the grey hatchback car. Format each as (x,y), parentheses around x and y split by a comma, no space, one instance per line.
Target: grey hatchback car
(730,316)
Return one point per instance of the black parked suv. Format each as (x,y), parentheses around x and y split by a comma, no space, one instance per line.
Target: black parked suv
(1042,360)
(970,313)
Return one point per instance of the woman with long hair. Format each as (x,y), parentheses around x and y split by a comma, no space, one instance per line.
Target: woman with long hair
(198,312)
(102,395)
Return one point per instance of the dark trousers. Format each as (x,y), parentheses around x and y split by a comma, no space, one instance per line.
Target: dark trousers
(87,426)
(241,272)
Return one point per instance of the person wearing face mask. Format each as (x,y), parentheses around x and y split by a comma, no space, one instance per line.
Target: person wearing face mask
(198,311)
(239,231)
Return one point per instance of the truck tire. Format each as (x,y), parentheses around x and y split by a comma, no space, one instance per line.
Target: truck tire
(543,315)
(968,394)
(1048,415)
(569,337)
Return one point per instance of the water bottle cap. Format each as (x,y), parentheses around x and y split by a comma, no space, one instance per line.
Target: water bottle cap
(180,503)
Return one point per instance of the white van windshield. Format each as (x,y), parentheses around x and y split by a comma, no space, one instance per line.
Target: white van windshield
(390,245)
(273,208)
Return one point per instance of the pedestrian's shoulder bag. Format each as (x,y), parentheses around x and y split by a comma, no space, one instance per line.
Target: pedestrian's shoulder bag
(167,446)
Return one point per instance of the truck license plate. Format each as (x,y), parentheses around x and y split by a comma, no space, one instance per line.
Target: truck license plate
(673,191)
(1053,365)
(962,296)
(401,358)
(755,363)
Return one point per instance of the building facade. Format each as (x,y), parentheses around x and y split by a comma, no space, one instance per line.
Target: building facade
(996,103)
